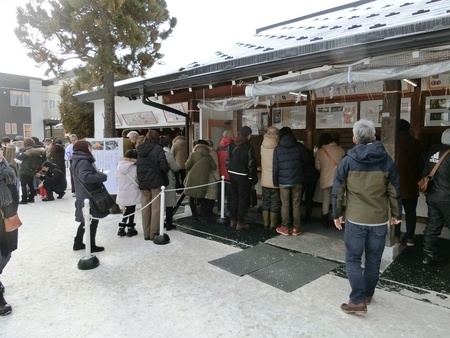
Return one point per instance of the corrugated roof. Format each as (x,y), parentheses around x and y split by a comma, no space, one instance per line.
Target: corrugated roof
(359,29)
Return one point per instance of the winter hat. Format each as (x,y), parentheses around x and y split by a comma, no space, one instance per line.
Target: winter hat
(445,139)
(82,146)
(47,164)
(18,138)
(245,131)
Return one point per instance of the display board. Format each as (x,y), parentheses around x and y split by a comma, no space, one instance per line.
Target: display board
(372,110)
(293,117)
(107,153)
(437,111)
(333,116)
(256,119)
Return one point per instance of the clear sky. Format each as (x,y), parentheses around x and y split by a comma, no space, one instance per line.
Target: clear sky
(204,27)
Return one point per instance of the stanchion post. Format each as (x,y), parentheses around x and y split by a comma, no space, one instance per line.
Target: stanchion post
(222,219)
(89,261)
(162,238)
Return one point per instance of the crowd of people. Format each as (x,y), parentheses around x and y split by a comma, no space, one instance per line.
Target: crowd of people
(374,188)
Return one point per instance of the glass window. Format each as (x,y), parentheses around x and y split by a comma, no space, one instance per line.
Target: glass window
(20,99)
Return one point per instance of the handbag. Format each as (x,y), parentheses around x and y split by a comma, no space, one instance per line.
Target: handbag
(11,223)
(100,197)
(423,183)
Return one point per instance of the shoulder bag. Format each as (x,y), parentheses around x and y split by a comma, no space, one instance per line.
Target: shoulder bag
(329,156)
(11,223)
(423,183)
(101,197)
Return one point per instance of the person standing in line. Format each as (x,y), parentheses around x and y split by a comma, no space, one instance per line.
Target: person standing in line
(241,165)
(152,166)
(31,158)
(437,198)
(309,185)
(57,155)
(327,159)
(222,153)
(54,180)
(271,202)
(68,157)
(171,197)
(86,176)
(198,166)
(179,151)
(369,180)
(409,150)
(289,158)
(48,148)
(213,189)
(133,137)
(9,201)
(128,192)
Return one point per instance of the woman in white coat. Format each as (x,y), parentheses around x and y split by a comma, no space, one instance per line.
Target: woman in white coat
(128,193)
(171,198)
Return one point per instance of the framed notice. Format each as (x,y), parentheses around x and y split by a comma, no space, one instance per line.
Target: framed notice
(254,118)
(173,118)
(293,117)
(372,110)
(134,119)
(437,111)
(332,116)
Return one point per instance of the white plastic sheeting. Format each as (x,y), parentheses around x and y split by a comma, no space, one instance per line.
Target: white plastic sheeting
(232,104)
(359,76)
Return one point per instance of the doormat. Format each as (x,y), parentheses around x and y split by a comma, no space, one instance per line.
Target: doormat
(249,260)
(408,268)
(222,233)
(294,271)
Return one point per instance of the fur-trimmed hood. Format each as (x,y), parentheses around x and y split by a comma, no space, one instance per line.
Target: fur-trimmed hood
(34,151)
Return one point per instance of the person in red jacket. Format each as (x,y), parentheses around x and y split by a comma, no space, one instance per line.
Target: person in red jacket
(222,153)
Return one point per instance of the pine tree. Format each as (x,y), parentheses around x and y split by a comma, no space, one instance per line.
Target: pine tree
(77,117)
(101,40)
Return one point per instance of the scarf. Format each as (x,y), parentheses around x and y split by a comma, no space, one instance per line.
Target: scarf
(7,176)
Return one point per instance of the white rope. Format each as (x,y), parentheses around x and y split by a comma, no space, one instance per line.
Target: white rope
(148,204)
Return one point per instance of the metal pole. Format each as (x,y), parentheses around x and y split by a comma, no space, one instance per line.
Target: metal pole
(162,238)
(222,198)
(89,261)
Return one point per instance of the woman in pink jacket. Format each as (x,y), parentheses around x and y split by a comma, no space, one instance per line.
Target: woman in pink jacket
(128,193)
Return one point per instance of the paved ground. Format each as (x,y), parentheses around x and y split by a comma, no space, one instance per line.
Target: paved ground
(144,290)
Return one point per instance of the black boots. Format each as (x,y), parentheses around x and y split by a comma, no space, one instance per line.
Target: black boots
(78,240)
(131,230)
(307,218)
(169,219)
(326,220)
(5,308)
(122,231)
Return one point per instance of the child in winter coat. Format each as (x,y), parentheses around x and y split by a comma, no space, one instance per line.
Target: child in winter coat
(128,193)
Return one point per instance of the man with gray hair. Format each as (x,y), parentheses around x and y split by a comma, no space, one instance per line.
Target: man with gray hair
(133,137)
(271,202)
(369,180)
(437,198)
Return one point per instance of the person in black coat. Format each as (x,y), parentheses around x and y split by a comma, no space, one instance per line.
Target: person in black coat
(54,180)
(151,168)
(9,200)
(57,154)
(86,178)
(289,159)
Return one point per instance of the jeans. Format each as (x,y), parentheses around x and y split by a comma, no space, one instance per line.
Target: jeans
(288,194)
(409,207)
(359,239)
(437,214)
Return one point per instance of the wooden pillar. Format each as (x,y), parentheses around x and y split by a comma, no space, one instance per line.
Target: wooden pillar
(391,115)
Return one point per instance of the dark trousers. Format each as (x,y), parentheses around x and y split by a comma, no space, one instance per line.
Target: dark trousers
(240,196)
(271,199)
(72,184)
(409,207)
(25,181)
(51,187)
(308,190)
(130,209)
(437,214)
(179,178)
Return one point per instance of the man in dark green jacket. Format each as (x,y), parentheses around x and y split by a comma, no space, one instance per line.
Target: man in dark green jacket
(369,180)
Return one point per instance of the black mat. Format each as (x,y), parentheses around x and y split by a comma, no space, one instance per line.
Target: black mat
(294,271)
(409,269)
(250,260)
(223,233)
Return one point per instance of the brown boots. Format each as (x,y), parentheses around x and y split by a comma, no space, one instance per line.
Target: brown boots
(242,226)
(266,218)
